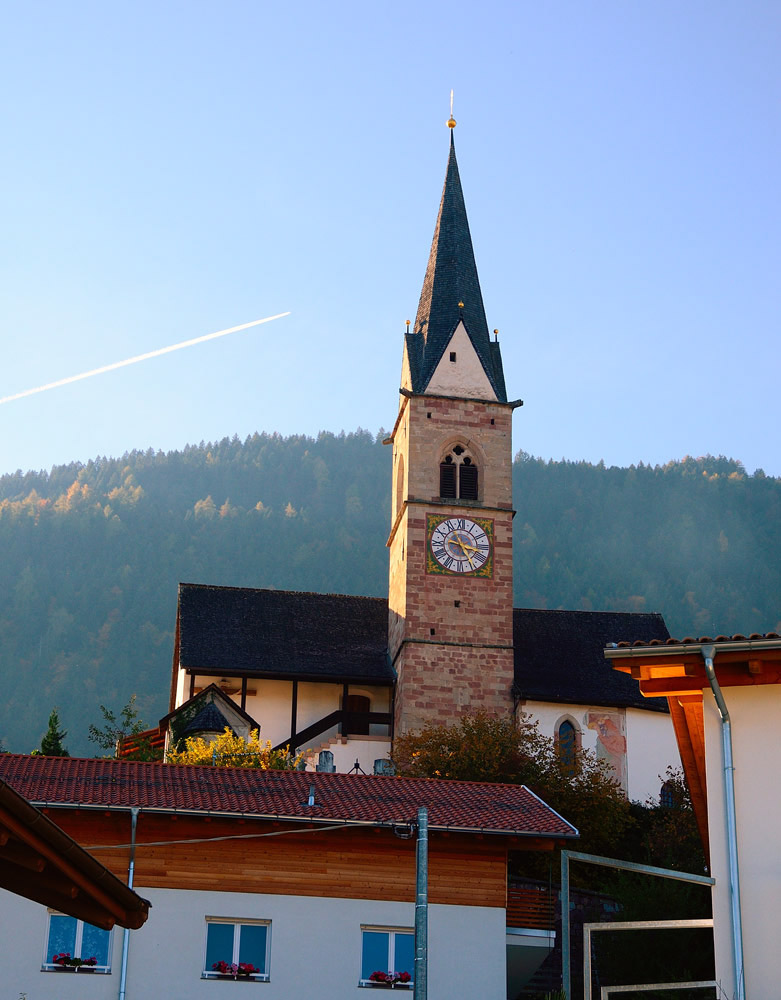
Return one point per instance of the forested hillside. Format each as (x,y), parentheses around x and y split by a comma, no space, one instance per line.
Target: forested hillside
(90,556)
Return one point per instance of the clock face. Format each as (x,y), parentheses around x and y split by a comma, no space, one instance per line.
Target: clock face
(460,545)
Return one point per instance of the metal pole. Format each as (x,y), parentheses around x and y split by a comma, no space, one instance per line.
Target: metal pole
(733,867)
(421,908)
(566,970)
(130,872)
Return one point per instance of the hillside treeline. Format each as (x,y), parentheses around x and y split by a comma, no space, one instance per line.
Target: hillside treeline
(90,555)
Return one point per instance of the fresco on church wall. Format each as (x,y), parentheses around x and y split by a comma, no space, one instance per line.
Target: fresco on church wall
(611,740)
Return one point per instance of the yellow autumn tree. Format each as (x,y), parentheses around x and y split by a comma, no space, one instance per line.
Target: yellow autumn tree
(229,750)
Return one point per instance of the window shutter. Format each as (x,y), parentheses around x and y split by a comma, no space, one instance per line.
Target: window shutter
(468,482)
(447,480)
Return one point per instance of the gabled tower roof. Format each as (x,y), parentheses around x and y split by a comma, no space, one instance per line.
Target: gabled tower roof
(451,278)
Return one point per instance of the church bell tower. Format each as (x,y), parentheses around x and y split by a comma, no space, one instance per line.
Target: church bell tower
(450,593)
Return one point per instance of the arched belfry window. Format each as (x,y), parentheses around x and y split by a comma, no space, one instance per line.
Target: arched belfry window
(458,476)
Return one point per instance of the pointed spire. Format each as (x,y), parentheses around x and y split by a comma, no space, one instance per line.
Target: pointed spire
(451,290)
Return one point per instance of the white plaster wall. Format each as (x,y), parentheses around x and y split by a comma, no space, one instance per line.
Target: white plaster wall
(650,740)
(361,748)
(463,377)
(182,687)
(23,939)
(550,714)
(315,949)
(651,749)
(756,744)
(272,706)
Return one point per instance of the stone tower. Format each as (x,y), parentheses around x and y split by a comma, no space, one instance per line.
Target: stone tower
(451,593)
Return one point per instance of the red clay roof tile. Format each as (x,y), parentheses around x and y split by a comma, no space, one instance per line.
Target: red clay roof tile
(347,798)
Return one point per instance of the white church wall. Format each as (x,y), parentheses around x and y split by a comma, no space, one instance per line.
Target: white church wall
(639,745)
(652,748)
(364,749)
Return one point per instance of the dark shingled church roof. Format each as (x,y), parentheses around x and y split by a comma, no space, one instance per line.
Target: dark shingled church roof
(451,277)
(282,633)
(560,656)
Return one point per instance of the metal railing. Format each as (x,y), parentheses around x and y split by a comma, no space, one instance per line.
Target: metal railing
(630,866)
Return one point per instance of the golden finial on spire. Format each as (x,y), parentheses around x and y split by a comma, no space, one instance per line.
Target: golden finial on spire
(451,122)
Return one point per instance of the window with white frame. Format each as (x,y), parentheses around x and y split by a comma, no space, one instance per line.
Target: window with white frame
(387,955)
(237,949)
(72,944)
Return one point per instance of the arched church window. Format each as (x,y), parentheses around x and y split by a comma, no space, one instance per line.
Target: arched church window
(458,475)
(567,744)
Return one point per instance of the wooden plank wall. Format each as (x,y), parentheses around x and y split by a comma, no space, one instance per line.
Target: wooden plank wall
(362,863)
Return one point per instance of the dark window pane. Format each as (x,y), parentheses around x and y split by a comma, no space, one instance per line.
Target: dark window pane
(219,944)
(447,480)
(567,745)
(252,945)
(375,953)
(405,953)
(468,481)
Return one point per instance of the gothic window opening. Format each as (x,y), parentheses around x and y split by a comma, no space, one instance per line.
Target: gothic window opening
(567,745)
(458,476)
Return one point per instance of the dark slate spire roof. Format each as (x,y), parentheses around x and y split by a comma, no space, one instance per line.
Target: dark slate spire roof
(451,277)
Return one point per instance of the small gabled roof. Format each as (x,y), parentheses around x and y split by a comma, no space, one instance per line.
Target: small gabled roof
(284,634)
(209,720)
(451,278)
(41,862)
(210,695)
(350,799)
(560,656)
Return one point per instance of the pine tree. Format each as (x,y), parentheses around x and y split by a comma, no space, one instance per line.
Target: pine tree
(51,744)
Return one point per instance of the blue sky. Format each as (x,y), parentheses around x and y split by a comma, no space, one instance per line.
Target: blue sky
(173,169)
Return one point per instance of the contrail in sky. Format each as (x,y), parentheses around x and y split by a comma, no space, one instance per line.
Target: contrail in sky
(140,357)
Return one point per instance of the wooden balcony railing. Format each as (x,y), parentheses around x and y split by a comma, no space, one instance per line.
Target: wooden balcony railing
(531,906)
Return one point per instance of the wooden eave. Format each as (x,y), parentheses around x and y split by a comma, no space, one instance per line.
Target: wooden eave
(41,862)
(679,673)
(660,674)
(279,675)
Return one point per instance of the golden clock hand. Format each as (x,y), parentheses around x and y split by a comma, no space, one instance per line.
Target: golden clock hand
(463,549)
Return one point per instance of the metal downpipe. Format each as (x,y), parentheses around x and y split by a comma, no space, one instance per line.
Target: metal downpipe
(131,869)
(708,654)
(421,909)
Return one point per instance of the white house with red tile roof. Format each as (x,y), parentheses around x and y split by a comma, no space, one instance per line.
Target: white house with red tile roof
(307,878)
